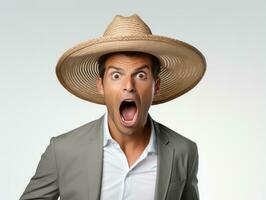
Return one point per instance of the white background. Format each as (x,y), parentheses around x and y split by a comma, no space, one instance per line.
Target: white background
(224,114)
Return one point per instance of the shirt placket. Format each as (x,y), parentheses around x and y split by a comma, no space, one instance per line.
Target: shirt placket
(127,169)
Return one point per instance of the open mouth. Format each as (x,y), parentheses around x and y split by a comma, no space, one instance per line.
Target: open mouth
(128,110)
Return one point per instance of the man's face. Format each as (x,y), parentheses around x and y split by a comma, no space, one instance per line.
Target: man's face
(128,87)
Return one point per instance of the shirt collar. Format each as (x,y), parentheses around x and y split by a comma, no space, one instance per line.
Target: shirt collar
(151,147)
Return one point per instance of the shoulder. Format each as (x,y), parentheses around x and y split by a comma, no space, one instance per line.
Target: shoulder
(176,141)
(79,134)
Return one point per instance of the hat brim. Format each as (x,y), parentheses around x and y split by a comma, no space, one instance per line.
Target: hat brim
(182,65)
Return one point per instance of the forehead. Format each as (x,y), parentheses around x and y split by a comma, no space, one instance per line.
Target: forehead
(124,60)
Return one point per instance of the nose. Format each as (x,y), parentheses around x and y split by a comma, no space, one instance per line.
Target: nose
(129,85)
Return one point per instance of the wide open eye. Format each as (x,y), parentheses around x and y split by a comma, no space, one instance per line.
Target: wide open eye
(115,75)
(141,75)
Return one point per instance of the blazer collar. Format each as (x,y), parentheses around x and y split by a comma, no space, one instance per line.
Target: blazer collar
(95,159)
(165,160)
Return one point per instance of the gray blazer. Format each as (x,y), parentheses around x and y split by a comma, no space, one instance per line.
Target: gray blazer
(71,166)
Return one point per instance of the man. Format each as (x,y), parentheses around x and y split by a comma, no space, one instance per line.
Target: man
(125,154)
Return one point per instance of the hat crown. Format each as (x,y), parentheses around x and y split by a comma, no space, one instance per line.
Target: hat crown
(132,25)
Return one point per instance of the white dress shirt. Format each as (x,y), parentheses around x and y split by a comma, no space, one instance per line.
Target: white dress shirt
(121,182)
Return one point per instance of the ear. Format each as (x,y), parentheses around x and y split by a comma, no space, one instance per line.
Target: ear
(99,85)
(157,86)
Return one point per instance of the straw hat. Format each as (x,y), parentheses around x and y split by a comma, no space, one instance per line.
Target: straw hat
(182,65)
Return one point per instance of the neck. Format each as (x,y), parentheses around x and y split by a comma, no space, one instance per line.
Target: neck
(133,140)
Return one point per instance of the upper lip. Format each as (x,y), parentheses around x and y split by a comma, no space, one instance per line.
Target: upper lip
(129,99)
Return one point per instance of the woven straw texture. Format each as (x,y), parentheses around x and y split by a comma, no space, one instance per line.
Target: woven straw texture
(182,65)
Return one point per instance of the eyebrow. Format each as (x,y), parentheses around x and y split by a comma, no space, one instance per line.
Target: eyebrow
(121,69)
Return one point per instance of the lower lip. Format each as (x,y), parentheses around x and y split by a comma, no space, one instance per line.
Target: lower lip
(131,123)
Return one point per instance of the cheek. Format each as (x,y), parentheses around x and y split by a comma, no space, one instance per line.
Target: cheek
(147,93)
(109,88)
(111,94)
(147,88)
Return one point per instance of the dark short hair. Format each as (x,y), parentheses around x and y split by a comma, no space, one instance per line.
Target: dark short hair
(154,60)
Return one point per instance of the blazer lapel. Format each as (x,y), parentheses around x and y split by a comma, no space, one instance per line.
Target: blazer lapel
(95,161)
(165,159)
(95,157)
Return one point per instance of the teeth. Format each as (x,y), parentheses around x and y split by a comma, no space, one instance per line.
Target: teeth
(129,100)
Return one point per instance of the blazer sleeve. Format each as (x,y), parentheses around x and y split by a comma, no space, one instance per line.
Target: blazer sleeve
(190,191)
(44,184)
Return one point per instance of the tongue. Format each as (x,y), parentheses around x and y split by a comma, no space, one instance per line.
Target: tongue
(128,113)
